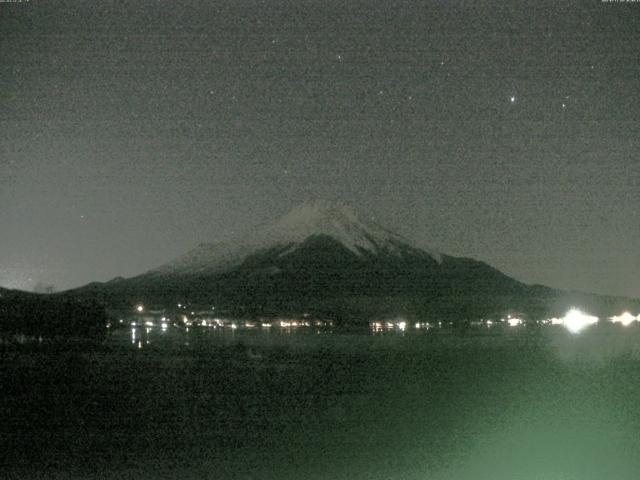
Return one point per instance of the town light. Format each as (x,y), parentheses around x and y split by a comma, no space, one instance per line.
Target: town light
(575,320)
(514,322)
(625,319)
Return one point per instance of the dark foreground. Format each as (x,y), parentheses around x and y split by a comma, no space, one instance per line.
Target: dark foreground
(516,404)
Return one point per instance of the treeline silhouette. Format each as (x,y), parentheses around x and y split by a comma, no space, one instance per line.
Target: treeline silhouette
(50,316)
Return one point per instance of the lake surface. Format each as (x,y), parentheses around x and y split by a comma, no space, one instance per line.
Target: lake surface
(503,403)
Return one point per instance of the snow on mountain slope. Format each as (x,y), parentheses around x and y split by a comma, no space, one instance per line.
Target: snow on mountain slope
(334,220)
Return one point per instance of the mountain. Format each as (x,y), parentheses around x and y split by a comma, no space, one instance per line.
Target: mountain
(326,259)
(333,221)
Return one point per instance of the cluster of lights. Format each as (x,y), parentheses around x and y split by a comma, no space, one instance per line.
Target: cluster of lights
(393,325)
(575,320)
(376,326)
(205,322)
(190,318)
(220,323)
(293,323)
(422,325)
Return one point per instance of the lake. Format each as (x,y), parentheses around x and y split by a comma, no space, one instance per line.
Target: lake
(322,403)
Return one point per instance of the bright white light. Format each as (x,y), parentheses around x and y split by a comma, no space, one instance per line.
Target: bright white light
(266,325)
(556,321)
(513,99)
(625,319)
(575,320)
(148,323)
(140,308)
(402,325)
(164,327)
(514,322)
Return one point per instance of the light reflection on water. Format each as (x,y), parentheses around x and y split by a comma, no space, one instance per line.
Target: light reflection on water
(169,335)
(426,401)
(595,344)
(497,413)
(204,331)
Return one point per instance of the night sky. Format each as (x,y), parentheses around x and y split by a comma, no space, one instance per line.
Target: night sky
(131,131)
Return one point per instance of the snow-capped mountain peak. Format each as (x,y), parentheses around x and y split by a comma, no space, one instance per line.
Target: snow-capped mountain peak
(320,217)
(332,219)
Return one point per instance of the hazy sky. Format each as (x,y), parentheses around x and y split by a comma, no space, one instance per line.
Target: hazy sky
(131,131)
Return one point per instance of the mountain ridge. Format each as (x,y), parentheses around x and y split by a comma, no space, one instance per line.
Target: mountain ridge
(326,259)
